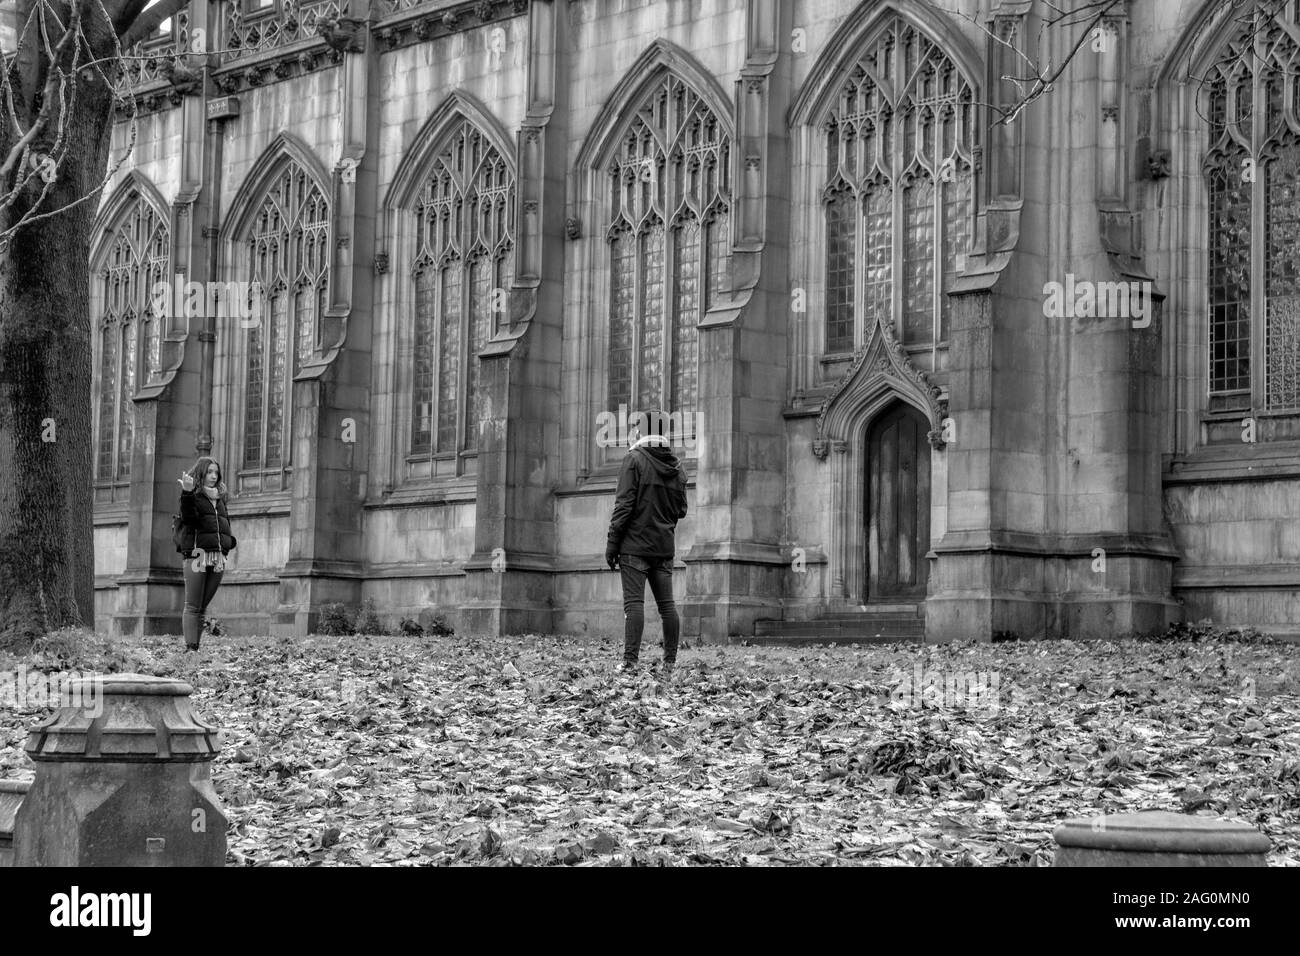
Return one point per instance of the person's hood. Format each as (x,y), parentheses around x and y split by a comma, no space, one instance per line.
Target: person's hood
(659,453)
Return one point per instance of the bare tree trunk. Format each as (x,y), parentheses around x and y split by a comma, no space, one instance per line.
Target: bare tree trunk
(46,504)
(47,534)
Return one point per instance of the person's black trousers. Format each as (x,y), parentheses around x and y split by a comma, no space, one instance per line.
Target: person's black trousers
(200,586)
(635,571)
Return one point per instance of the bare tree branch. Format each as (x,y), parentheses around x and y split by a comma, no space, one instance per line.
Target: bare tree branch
(53,86)
(1040,78)
(143,24)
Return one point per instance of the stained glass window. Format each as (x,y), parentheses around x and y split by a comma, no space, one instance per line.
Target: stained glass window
(465,229)
(129,333)
(899,139)
(669,236)
(289,260)
(1253,178)
(841,220)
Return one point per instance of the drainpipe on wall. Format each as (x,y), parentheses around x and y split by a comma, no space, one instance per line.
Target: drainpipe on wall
(208,335)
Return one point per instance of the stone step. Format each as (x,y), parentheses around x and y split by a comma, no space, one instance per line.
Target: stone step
(849,627)
(784,639)
(874,611)
(859,631)
(864,624)
(862,620)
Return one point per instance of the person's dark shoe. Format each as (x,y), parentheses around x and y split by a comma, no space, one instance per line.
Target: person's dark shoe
(192,647)
(627,667)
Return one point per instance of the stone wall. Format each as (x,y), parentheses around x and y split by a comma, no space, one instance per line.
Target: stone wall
(1070,435)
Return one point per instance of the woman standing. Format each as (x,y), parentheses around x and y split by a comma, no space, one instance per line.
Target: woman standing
(207,542)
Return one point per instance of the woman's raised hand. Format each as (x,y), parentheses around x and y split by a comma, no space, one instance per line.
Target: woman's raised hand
(186,481)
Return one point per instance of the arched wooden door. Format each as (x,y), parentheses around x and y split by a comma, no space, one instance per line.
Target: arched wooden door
(897,505)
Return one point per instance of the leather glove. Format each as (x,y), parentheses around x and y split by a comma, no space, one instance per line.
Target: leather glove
(611,557)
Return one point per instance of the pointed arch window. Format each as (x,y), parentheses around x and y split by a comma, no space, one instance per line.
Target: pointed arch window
(669,238)
(1253,175)
(135,256)
(461,271)
(897,200)
(288,258)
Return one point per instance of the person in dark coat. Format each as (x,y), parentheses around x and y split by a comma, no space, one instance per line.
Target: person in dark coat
(650,500)
(207,540)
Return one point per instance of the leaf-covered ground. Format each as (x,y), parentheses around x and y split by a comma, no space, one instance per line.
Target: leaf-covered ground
(534,751)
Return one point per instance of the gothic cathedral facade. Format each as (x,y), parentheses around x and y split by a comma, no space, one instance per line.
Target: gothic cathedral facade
(941,346)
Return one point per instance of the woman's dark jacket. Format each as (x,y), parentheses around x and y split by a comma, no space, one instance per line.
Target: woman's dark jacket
(207,523)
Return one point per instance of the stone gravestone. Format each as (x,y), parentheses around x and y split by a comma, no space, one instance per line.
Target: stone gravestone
(11,797)
(123,778)
(1159,838)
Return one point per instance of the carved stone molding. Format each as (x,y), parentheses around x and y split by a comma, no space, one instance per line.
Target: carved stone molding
(880,372)
(342,35)
(1158,164)
(185,74)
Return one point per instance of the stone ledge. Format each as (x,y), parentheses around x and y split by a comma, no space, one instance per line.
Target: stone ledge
(1272,462)
(738,552)
(461,492)
(1279,576)
(375,572)
(1074,546)
(321,568)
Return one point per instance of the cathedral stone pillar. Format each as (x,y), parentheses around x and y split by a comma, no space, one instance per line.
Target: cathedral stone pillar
(1054,519)
(509,577)
(736,571)
(170,428)
(331,394)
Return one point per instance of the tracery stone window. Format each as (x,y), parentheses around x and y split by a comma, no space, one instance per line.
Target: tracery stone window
(1253,172)
(670,244)
(899,141)
(136,256)
(462,268)
(289,262)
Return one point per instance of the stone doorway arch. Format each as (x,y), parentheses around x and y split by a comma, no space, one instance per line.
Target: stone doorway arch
(880,380)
